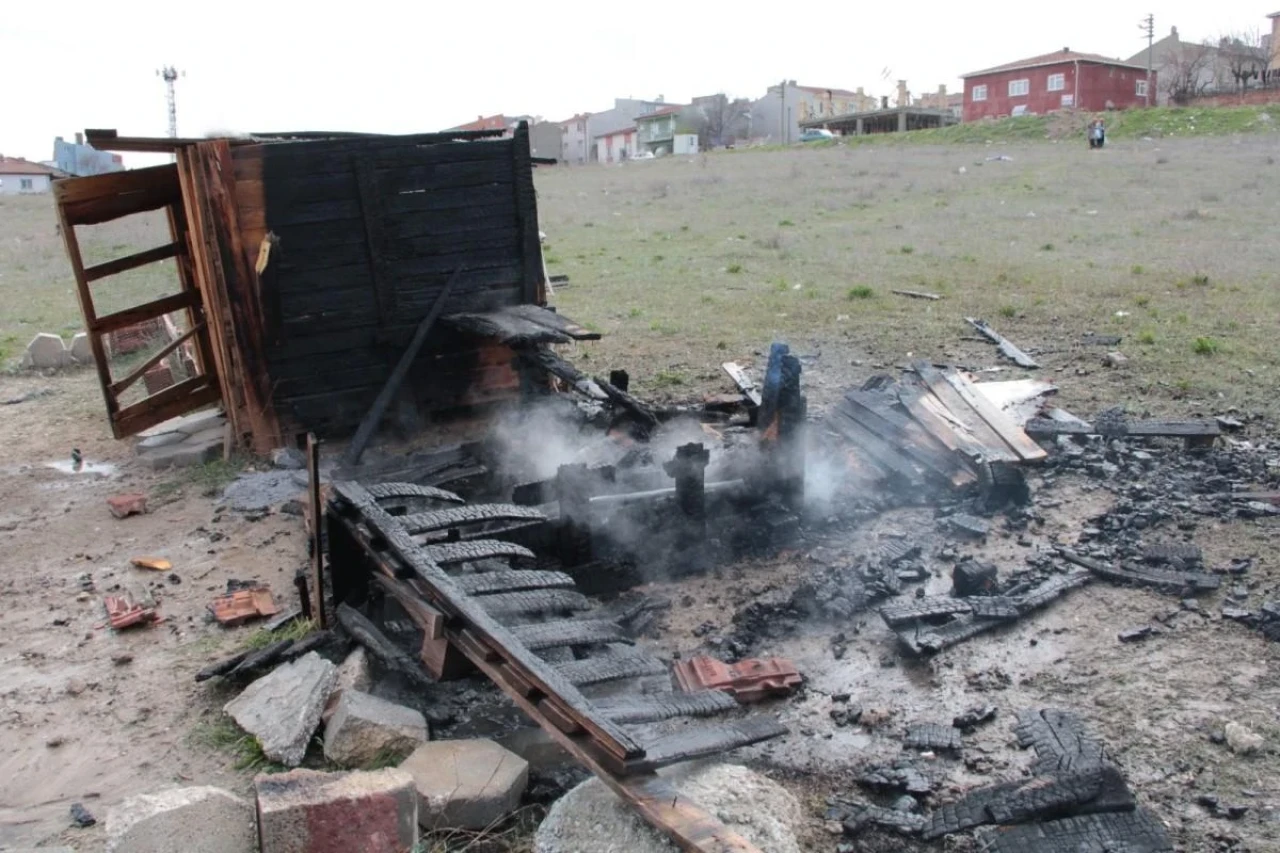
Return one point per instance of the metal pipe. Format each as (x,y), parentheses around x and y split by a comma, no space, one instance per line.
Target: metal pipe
(626,497)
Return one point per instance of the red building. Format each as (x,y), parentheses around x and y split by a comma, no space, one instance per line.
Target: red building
(1056,81)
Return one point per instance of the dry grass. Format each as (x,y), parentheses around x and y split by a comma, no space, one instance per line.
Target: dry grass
(1124,259)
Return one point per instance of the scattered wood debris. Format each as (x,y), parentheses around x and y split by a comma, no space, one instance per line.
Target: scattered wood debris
(917,294)
(1007,347)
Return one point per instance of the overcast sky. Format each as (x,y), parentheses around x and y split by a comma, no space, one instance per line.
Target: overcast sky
(399,68)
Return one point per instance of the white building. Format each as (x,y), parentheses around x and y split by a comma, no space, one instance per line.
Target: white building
(22,177)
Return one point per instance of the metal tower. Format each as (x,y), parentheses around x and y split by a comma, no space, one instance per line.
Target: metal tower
(170,76)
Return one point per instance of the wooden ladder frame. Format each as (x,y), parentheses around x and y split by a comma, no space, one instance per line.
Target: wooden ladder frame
(102,198)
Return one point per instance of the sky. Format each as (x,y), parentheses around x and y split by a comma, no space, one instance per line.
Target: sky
(385,67)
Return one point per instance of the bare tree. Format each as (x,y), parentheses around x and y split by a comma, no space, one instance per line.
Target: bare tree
(1188,73)
(1243,57)
(718,120)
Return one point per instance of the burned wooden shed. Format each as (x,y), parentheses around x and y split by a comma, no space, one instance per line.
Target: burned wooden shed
(306,262)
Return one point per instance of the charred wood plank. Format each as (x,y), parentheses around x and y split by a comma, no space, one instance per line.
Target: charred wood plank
(1169,429)
(932,736)
(398,491)
(917,294)
(906,612)
(869,410)
(642,413)
(744,382)
(223,666)
(367,634)
(443,519)
(547,360)
(1061,741)
(881,453)
(392,386)
(894,551)
(1010,433)
(967,812)
(1172,552)
(998,607)
(449,553)
(511,580)
(1007,347)
(861,815)
(666,706)
(1049,590)
(1130,832)
(570,632)
(1094,789)
(256,662)
(484,640)
(504,605)
(701,742)
(509,328)
(1166,579)
(927,640)
(598,670)
(553,320)
(943,410)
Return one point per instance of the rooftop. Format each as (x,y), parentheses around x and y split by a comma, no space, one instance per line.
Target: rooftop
(665,111)
(18,166)
(1058,56)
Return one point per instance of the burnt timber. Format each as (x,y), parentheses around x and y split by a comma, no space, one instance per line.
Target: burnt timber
(373,551)
(306,263)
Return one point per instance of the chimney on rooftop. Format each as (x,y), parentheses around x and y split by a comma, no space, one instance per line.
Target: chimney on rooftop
(1173,31)
(1066,50)
(79,139)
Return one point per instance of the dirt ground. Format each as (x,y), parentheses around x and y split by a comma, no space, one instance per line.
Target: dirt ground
(1184,251)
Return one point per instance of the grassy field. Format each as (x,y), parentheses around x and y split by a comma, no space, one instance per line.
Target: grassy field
(685,263)
(1173,244)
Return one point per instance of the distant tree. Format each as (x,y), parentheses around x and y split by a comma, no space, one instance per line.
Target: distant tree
(1243,56)
(718,120)
(1184,75)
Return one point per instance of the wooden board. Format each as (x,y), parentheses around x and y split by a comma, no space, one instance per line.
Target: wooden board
(955,406)
(868,409)
(1012,435)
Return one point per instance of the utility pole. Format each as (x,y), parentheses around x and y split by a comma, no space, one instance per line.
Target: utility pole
(1148,27)
(170,76)
(782,112)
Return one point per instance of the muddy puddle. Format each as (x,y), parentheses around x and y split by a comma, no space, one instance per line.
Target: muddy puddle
(85,467)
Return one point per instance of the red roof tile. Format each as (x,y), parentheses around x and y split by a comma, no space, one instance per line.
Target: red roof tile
(664,111)
(1052,59)
(18,166)
(498,122)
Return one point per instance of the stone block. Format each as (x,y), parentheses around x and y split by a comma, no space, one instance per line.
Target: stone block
(466,784)
(81,352)
(353,674)
(46,351)
(197,449)
(288,458)
(591,817)
(365,729)
(970,577)
(194,820)
(188,424)
(282,709)
(305,811)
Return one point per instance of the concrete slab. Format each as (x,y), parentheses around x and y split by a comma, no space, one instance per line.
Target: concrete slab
(353,674)
(305,811)
(282,709)
(188,450)
(466,784)
(365,730)
(188,424)
(195,820)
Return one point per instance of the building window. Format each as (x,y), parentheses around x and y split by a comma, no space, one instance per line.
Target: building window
(979,93)
(1057,82)
(1019,87)
(25,184)
(1140,89)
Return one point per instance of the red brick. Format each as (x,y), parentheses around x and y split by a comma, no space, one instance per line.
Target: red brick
(305,811)
(129,504)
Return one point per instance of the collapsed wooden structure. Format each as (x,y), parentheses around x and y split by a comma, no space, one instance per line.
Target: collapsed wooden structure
(447,567)
(304,264)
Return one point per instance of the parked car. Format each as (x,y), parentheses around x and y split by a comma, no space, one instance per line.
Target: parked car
(816,134)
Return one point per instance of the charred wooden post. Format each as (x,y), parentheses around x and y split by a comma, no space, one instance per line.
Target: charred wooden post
(689,469)
(781,423)
(620,379)
(574,485)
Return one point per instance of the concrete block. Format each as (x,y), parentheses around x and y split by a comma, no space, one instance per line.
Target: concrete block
(466,784)
(282,709)
(353,674)
(305,811)
(195,820)
(365,729)
(197,449)
(188,424)
(46,351)
(81,352)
